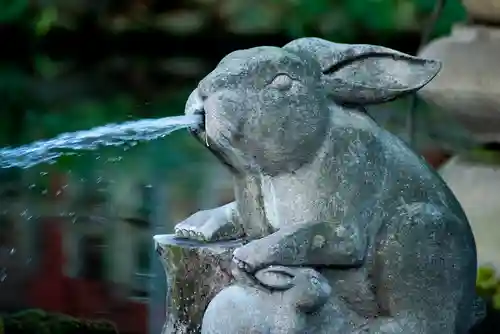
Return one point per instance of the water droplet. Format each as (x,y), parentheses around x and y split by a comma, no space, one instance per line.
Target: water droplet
(3,274)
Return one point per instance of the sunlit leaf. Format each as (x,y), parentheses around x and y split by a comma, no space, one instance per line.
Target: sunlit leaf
(46,20)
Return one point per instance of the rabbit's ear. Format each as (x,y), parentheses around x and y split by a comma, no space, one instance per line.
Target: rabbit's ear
(276,277)
(360,74)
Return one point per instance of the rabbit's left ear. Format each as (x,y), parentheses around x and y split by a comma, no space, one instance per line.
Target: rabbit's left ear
(360,74)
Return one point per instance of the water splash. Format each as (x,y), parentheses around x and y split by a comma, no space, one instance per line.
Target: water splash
(3,274)
(47,151)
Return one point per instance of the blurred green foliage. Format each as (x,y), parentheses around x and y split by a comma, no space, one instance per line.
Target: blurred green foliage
(50,98)
(55,97)
(488,286)
(48,93)
(339,19)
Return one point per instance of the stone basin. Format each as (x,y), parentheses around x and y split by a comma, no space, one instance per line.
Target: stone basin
(485,10)
(195,272)
(467,86)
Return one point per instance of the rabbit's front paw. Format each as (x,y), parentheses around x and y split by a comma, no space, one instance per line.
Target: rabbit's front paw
(252,256)
(210,225)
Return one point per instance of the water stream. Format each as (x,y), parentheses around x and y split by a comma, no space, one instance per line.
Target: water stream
(47,151)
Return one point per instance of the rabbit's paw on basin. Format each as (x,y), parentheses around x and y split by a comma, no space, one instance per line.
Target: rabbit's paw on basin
(211,225)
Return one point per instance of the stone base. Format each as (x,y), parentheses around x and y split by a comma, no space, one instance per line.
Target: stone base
(476,187)
(487,10)
(467,86)
(195,272)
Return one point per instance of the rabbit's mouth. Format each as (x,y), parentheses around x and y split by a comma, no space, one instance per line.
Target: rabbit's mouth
(200,133)
(197,105)
(200,129)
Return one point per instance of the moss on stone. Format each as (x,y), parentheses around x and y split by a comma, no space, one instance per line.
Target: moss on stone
(40,322)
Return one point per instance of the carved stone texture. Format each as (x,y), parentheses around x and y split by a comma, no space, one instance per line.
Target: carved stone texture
(487,10)
(468,85)
(195,274)
(320,185)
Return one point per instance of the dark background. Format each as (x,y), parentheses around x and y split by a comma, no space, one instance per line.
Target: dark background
(68,65)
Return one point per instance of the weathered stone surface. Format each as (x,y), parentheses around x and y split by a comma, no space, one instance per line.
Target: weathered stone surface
(477,187)
(195,274)
(468,85)
(296,300)
(487,10)
(322,187)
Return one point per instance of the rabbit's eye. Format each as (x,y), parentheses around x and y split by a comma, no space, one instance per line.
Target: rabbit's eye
(282,82)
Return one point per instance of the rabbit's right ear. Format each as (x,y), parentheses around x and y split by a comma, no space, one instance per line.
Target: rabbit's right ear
(361,74)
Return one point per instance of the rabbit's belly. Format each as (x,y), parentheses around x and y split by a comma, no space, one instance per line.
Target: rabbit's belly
(355,288)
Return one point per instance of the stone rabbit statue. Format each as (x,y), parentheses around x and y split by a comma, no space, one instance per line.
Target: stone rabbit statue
(319,184)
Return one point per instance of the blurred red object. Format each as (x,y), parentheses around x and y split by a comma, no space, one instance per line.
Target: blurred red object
(51,291)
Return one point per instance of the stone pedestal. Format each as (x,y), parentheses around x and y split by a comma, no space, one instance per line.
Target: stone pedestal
(476,186)
(485,10)
(467,86)
(195,272)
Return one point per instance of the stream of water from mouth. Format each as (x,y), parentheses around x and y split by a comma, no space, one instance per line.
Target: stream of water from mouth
(117,134)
